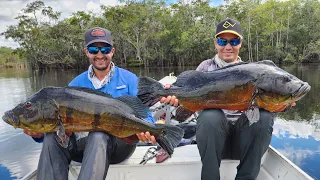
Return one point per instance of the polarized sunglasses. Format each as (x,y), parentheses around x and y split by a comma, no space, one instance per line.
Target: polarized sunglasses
(95,50)
(224,42)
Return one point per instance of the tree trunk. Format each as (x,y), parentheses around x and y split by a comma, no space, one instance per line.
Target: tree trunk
(287,32)
(272,32)
(257,46)
(249,41)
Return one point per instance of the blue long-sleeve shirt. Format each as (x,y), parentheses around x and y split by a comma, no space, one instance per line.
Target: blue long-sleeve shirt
(123,82)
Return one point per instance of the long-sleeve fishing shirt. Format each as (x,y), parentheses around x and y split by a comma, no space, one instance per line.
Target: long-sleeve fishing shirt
(211,65)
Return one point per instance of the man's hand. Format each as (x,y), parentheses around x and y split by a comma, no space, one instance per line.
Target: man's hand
(146,137)
(172,100)
(288,107)
(33,134)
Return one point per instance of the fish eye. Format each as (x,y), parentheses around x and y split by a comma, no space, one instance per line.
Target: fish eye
(287,79)
(27,104)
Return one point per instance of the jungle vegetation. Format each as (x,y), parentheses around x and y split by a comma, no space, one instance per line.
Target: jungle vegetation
(154,33)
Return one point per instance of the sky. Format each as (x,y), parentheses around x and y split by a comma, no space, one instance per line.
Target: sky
(11,8)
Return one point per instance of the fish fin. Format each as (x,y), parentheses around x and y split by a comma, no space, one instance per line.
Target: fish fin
(253,114)
(147,90)
(190,77)
(136,104)
(131,139)
(62,137)
(170,138)
(89,90)
(267,62)
(182,114)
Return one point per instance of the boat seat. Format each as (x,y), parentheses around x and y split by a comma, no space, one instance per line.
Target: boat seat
(184,159)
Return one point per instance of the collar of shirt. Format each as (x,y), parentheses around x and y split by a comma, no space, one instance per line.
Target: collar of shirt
(219,63)
(97,84)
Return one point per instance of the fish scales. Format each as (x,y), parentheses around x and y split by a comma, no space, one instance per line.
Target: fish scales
(75,109)
(232,88)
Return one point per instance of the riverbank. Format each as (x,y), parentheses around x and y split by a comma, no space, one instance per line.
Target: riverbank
(13,65)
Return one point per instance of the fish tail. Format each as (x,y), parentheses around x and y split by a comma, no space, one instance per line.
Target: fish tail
(148,89)
(170,137)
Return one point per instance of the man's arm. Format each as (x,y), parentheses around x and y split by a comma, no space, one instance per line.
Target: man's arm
(38,137)
(203,66)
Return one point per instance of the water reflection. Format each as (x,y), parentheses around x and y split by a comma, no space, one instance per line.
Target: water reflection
(297,129)
(5,173)
(310,104)
(296,132)
(299,141)
(19,153)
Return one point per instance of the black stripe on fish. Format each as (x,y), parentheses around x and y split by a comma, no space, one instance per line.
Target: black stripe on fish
(97,116)
(69,113)
(121,124)
(96,120)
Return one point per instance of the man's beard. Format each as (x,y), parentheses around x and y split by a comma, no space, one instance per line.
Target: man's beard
(100,68)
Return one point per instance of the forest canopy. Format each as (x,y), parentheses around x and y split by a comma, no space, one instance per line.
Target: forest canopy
(154,33)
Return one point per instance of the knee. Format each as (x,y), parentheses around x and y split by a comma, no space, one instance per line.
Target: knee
(267,120)
(211,118)
(99,137)
(50,139)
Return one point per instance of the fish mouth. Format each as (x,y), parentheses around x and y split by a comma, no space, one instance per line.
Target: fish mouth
(302,91)
(10,118)
(5,118)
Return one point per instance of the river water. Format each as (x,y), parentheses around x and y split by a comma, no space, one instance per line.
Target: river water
(296,133)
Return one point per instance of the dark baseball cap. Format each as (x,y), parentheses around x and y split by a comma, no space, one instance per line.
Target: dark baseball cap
(98,34)
(229,25)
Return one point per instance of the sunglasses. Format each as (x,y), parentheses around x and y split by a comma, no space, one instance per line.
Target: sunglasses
(224,42)
(103,50)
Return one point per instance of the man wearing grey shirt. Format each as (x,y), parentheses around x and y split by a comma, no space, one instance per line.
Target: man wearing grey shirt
(223,134)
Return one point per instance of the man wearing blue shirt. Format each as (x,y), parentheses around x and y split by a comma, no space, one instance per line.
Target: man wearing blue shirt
(96,150)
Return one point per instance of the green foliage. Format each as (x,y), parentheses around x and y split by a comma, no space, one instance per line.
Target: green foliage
(153,33)
(9,58)
(289,59)
(134,63)
(312,52)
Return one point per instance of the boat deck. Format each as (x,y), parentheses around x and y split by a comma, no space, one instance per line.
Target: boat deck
(185,164)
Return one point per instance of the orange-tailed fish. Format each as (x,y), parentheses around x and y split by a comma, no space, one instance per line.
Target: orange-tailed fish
(242,86)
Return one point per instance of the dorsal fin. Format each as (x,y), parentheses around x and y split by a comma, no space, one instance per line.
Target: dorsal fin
(89,90)
(136,104)
(140,110)
(190,77)
(267,62)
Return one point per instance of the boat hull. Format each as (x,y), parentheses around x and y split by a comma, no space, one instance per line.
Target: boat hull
(185,164)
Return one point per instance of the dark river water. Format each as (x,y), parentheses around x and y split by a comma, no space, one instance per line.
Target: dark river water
(296,133)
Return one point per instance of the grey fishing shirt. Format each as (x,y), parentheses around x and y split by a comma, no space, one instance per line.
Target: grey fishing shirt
(211,65)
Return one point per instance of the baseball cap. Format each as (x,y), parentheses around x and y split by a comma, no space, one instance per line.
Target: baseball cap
(98,34)
(229,25)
